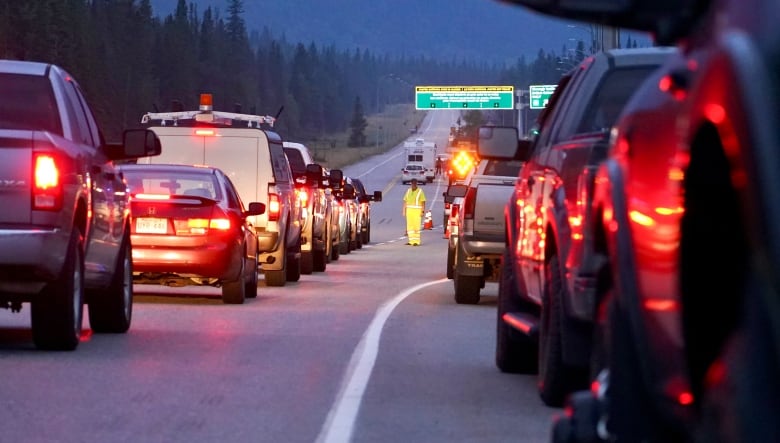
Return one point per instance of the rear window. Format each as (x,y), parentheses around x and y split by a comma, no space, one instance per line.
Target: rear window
(27,102)
(503,168)
(614,91)
(166,181)
(297,164)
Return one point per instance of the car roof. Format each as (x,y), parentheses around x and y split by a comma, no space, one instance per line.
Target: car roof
(168,167)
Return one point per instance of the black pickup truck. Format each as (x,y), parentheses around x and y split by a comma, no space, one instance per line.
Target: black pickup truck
(64,209)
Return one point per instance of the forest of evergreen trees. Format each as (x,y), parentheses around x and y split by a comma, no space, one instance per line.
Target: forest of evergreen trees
(129,62)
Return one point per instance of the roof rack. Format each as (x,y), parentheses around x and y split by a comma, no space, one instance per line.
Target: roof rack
(207,116)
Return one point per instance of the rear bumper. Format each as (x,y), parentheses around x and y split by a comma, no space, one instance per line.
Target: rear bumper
(30,258)
(213,260)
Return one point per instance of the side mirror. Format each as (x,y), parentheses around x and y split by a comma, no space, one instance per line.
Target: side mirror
(348,192)
(455,191)
(314,175)
(136,143)
(377,196)
(336,177)
(500,143)
(255,208)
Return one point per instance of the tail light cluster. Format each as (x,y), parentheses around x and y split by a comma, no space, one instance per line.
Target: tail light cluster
(47,187)
(219,221)
(274,207)
(469,201)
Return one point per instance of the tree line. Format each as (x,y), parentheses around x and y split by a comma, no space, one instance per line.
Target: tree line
(130,61)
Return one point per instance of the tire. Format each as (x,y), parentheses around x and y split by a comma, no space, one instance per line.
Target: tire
(466,289)
(307,262)
(251,284)
(320,261)
(556,379)
(450,263)
(514,353)
(359,240)
(344,247)
(234,292)
(365,235)
(294,265)
(57,312)
(111,310)
(631,415)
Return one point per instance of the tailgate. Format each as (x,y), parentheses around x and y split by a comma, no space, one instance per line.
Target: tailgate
(489,209)
(15,177)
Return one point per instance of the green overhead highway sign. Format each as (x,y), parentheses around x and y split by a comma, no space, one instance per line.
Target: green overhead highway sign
(539,95)
(464,97)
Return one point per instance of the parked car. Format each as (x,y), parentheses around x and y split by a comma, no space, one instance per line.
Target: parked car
(549,295)
(226,140)
(364,200)
(189,226)
(64,225)
(453,198)
(687,210)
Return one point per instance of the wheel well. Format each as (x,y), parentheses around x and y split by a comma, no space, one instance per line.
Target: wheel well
(713,254)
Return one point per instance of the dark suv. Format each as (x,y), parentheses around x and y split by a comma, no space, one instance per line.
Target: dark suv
(688,210)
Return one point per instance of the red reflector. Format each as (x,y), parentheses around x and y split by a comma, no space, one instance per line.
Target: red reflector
(685,398)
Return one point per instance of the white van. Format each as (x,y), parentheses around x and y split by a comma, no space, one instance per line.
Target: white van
(254,160)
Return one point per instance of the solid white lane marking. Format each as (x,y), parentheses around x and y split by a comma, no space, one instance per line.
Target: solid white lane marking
(340,422)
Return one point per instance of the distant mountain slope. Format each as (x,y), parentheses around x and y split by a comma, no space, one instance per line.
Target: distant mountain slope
(478,30)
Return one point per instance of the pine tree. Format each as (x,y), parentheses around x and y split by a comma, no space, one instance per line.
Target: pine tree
(358,124)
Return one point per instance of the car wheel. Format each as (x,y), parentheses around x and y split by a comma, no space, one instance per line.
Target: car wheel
(234,291)
(320,260)
(294,264)
(450,263)
(368,234)
(556,379)
(251,283)
(344,247)
(57,312)
(307,262)
(515,353)
(335,251)
(111,310)
(359,240)
(631,416)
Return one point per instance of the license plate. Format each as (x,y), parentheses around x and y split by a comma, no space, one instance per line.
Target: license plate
(149,225)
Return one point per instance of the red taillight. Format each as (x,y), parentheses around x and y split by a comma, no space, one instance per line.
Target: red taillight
(468,203)
(47,191)
(454,210)
(303,196)
(219,221)
(274,207)
(152,196)
(205,132)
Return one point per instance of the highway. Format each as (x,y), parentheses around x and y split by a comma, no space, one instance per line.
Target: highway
(372,350)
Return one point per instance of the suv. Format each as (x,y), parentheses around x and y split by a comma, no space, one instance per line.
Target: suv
(548,289)
(687,211)
(64,226)
(246,149)
(364,200)
(316,207)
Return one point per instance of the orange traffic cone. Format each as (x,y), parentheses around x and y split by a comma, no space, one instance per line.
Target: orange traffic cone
(428,223)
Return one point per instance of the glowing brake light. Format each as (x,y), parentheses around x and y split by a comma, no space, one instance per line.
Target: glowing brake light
(205,132)
(274,207)
(303,196)
(47,193)
(152,196)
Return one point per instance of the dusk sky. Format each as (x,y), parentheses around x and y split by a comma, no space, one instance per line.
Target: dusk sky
(474,30)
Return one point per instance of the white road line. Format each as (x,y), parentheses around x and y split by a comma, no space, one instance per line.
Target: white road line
(340,422)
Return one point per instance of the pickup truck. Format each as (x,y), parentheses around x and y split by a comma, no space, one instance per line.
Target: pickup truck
(64,222)
(480,234)
(548,295)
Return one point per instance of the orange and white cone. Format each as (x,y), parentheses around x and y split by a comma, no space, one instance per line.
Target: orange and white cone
(428,223)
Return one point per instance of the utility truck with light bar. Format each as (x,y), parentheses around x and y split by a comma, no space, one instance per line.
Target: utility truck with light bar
(251,154)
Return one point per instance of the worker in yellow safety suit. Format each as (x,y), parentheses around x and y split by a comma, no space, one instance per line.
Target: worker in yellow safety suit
(414,207)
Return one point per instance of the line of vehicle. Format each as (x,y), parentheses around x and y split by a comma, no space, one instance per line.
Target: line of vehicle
(340,422)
